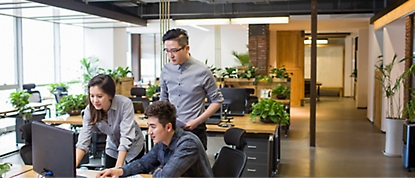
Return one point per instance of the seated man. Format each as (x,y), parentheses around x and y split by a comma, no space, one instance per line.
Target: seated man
(176,153)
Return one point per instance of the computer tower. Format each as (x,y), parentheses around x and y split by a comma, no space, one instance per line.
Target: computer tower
(408,152)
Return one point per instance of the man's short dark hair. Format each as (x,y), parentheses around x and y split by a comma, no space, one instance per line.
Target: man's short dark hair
(177,34)
(164,111)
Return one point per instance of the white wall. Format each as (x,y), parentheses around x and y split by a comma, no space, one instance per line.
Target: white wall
(110,46)
(362,68)
(394,43)
(234,38)
(99,43)
(348,66)
(375,44)
(120,47)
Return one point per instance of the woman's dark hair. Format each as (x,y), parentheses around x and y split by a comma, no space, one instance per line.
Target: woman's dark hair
(164,111)
(177,34)
(107,85)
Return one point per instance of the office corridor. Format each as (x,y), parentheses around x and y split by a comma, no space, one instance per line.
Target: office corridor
(347,144)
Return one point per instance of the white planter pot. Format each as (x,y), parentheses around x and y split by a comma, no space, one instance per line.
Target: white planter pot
(393,143)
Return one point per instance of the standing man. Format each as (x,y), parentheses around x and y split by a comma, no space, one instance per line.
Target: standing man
(186,82)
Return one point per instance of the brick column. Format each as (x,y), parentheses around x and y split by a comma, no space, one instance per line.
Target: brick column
(409,37)
(259,47)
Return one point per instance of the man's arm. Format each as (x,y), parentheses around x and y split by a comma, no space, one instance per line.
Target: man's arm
(213,107)
(164,95)
(145,164)
(184,156)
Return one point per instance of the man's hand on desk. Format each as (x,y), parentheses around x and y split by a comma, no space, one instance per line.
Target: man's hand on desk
(113,172)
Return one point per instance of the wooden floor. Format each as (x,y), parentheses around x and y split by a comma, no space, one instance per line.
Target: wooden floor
(347,144)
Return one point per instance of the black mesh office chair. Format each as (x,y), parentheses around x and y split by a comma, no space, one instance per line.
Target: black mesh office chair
(231,162)
(35,95)
(26,150)
(60,91)
(137,94)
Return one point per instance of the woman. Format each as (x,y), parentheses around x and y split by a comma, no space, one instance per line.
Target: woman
(113,115)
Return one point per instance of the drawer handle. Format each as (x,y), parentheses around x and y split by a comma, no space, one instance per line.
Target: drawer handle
(252,147)
(252,158)
(251,170)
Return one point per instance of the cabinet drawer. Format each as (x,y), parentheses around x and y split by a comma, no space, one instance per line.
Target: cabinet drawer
(256,145)
(256,158)
(255,170)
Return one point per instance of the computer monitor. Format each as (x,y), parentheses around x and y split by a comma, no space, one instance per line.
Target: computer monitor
(138,107)
(53,151)
(236,97)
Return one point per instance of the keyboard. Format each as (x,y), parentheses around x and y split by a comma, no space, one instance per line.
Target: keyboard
(213,121)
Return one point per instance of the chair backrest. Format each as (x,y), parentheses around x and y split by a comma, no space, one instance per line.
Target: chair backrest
(138,92)
(35,94)
(60,91)
(26,150)
(26,154)
(230,163)
(235,137)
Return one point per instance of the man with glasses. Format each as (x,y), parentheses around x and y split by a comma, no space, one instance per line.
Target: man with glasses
(186,82)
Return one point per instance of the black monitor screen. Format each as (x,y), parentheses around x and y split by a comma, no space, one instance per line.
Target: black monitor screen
(53,151)
(236,99)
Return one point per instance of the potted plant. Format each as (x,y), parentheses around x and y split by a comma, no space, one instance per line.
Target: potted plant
(280,72)
(89,68)
(248,73)
(391,84)
(243,58)
(20,101)
(151,90)
(280,91)
(52,87)
(269,110)
(4,167)
(72,104)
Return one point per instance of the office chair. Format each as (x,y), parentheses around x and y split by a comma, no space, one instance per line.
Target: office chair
(250,99)
(35,95)
(231,162)
(26,150)
(137,94)
(60,91)
(37,116)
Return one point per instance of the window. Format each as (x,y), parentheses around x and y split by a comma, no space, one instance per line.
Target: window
(72,45)
(38,52)
(7,51)
(150,57)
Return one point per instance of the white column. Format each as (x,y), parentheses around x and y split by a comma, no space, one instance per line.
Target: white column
(120,47)
(362,68)
(374,52)
(394,43)
(348,66)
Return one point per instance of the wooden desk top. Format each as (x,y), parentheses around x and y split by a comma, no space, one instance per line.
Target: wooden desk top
(239,121)
(26,171)
(245,123)
(77,120)
(8,108)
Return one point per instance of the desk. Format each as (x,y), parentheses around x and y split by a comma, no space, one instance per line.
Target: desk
(263,148)
(26,171)
(8,108)
(77,120)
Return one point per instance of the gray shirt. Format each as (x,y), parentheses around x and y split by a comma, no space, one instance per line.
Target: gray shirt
(123,133)
(186,87)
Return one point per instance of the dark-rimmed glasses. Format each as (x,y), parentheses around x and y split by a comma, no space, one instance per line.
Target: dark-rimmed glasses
(174,51)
